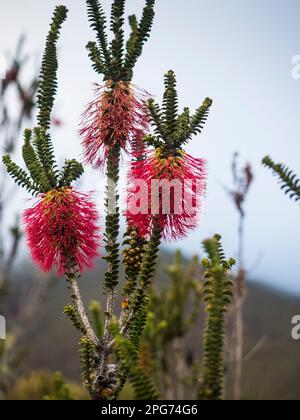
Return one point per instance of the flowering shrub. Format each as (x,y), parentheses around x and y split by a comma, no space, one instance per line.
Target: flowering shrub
(62,227)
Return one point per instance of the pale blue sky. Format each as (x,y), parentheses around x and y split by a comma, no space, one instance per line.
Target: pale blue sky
(238,52)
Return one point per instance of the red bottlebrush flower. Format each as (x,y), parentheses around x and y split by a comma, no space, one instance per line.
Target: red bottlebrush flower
(61,230)
(168,191)
(115,117)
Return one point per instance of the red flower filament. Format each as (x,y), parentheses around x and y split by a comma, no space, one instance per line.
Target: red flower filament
(61,230)
(115,117)
(175,187)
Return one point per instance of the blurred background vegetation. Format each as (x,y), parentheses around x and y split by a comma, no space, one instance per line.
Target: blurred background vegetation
(171,350)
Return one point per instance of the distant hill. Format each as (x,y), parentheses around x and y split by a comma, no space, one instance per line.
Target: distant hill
(272,372)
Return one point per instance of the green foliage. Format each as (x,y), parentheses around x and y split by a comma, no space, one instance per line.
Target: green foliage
(95,309)
(98,24)
(38,153)
(122,379)
(140,34)
(20,176)
(289,180)
(95,58)
(129,356)
(10,356)
(87,359)
(136,328)
(136,288)
(33,164)
(140,300)
(198,120)
(117,44)
(44,149)
(218,293)
(172,131)
(39,159)
(170,105)
(71,313)
(139,322)
(48,79)
(174,309)
(134,31)
(61,390)
(70,172)
(43,385)
(112,60)
(149,263)
(167,350)
(137,284)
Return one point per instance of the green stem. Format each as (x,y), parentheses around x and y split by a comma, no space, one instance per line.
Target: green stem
(111,234)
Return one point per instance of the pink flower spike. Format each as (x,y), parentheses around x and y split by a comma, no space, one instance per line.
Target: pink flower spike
(116,117)
(61,231)
(168,190)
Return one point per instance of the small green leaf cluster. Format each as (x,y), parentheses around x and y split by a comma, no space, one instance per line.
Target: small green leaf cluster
(128,354)
(116,60)
(171,129)
(289,180)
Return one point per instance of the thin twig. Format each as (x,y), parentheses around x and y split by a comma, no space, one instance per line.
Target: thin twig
(255,349)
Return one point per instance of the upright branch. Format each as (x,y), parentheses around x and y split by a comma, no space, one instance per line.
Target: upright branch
(112,123)
(218,293)
(116,117)
(47,87)
(242,182)
(161,158)
(165,161)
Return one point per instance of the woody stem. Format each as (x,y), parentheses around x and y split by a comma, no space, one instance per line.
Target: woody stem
(81,309)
